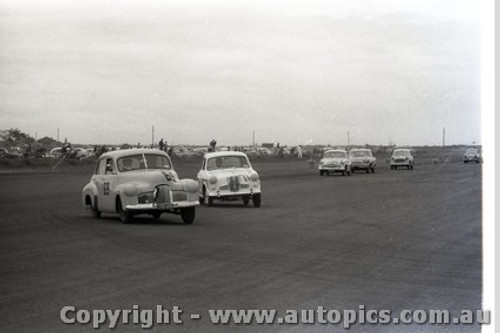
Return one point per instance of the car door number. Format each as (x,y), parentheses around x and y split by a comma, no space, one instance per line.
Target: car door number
(106,188)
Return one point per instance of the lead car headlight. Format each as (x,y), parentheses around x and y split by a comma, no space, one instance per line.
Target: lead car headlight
(146,197)
(254,177)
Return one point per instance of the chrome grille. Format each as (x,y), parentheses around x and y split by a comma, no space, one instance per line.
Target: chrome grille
(179,196)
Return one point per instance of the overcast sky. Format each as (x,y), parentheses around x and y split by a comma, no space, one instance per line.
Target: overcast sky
(296,72)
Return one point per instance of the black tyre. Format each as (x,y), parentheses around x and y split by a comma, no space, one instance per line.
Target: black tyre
(321,172)
(93,209)
(368,170)
(373,169)
(207,200)
(188,214)
(411,167)
(125,216)
(156,215)
(246,200)
(256,200)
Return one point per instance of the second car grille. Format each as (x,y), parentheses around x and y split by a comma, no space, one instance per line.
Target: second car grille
(179,196)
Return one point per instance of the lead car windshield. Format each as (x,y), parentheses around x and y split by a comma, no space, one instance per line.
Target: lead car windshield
(227,162)
(139,162)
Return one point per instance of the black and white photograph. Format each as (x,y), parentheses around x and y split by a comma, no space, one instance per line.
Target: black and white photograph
(247,166)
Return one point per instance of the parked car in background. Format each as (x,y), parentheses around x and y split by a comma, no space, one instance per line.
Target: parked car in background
(472,155)
(4,153)
(79,153)
(402,158)
(139,181)
(56,152)
(362,159)
(228,176)
(335,160)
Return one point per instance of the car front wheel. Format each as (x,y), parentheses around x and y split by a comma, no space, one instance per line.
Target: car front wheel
(125,216)
(188,214)
(256,200)
(207,200)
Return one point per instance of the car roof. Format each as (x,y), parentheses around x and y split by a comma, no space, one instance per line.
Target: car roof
(133,151)
(225,153)
(402,149)
(360,149)
(334,150)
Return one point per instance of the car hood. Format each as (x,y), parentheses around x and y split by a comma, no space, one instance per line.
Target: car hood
(146,180)
(364,158)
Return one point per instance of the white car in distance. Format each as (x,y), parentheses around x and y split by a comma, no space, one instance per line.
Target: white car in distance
(228,176)
(335,160)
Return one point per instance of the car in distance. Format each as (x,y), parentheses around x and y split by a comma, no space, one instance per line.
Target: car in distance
(472,155)
(139,181)
(228,176)
(4,153)
(335,160)
(362,159)
(402,158)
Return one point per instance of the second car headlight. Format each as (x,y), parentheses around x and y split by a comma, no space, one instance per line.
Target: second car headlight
(254,177)
(212,180)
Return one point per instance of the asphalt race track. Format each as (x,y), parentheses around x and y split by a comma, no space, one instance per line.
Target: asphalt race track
(390,240)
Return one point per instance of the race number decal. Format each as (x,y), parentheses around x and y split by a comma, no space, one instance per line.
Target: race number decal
(106,188)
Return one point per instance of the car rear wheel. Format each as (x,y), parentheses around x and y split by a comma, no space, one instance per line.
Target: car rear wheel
(93,208)
(246,200)
(125,216)
(256,200)
(188,214)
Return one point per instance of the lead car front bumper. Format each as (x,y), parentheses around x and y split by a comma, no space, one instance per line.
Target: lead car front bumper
(161,206)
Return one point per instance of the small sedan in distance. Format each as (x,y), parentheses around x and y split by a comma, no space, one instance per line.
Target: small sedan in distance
(402,158)
(335,160)
(472,155)
(362,159)
(228,176)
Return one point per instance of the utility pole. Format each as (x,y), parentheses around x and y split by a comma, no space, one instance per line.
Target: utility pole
(444,135)
(153,135)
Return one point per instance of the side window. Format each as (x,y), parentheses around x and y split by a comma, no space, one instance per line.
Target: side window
(101,167)
(109,166)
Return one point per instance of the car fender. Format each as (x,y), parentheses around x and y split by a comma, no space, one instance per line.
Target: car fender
(89,190)
(127,192)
